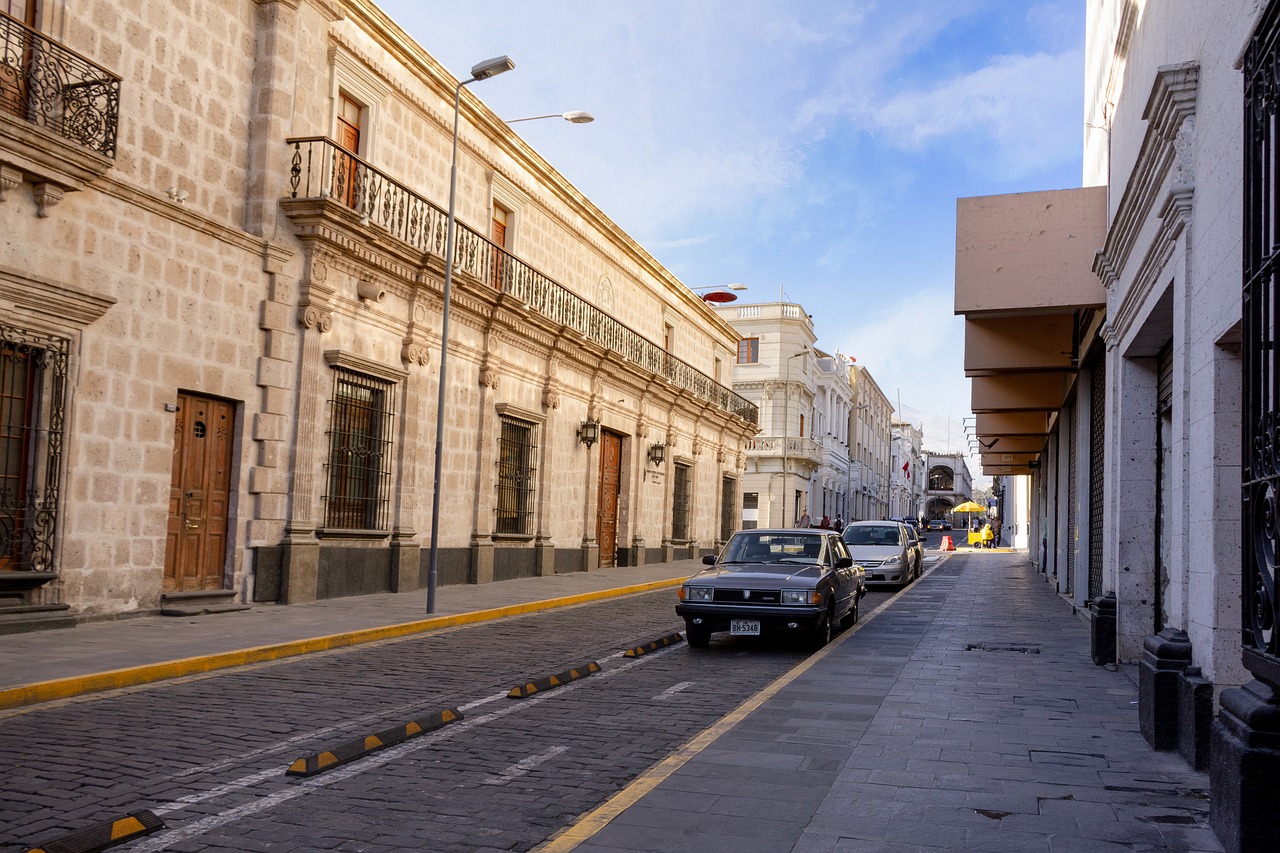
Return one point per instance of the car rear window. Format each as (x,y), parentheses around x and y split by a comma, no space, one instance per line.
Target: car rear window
(871,535)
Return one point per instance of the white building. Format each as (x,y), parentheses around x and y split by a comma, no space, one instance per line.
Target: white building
(833,410)
(1121,339)
(776,371)
(907,471)
(872,447)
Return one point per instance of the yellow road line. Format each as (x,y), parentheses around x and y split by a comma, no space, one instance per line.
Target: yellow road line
(79,685)
(593,821)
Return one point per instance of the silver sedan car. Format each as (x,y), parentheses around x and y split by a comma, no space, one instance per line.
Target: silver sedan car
(884,550)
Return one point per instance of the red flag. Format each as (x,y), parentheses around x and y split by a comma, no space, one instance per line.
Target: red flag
(906,470)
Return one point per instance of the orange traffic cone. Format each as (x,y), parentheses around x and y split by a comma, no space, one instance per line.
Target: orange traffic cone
(947,544)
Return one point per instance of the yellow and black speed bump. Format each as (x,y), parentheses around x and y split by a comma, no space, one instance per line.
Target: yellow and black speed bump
(104,835)
(529,688)
(660,643)
(351,750)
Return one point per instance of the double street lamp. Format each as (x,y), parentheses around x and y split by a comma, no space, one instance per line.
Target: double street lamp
(480,71)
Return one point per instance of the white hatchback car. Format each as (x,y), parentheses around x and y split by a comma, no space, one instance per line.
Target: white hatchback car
(884,550)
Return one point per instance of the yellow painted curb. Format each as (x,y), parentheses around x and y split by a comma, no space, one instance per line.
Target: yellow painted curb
(79,685)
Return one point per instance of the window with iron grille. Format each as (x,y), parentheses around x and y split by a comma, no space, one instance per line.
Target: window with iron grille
(359,475)
(680,503)
(517,476)
(728,512)
(33,374)
(750,510)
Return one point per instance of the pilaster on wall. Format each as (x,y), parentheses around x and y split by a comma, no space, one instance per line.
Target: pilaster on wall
(274,73)
(1130,487)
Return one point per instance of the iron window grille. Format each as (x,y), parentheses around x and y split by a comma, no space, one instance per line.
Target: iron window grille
(728,513)
(750,501)
(33,387)
(517,477)
(680,498)
(1260,357)
(360,433)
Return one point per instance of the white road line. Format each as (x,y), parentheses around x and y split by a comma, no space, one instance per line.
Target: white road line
(673,690)
(214,793)
(520,768)
(158,842)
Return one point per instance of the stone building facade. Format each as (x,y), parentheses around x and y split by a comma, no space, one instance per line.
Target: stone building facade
(1122,337)
(220,322)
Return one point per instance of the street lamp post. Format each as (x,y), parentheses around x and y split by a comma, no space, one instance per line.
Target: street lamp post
(786,429)
(480,71)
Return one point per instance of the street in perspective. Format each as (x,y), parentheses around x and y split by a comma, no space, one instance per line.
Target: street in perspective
(723,426)
(948,717)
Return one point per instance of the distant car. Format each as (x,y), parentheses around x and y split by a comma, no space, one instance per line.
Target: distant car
(946,525)
(883,550)
(935,524)
(802,582)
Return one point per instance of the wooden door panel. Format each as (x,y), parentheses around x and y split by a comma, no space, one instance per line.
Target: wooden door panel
(199,496)
(610,486)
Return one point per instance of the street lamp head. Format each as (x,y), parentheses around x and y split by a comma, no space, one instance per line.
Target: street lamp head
(491,67)
(578,117)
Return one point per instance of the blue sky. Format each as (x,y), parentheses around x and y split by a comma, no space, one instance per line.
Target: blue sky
(812,146)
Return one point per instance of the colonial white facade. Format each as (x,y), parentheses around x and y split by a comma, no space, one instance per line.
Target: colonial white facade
(1121,337)
(776,370)
(872,447)
(949,483)
(907,472)
(220,328)
(833,411)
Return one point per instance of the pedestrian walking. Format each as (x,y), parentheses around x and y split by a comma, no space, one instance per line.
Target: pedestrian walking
(825,524)
(838,525)
(804,520)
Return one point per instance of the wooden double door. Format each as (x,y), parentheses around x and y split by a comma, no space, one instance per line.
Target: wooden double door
(199,494)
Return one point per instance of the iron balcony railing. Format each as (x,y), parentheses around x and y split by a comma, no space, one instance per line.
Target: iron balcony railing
(323,169)
(46,84)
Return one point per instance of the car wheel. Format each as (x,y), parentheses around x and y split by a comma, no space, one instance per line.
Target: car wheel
(823,632)
(698,636)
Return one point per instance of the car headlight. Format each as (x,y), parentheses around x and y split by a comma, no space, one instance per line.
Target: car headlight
(799,596)
(697,593)
(892,561)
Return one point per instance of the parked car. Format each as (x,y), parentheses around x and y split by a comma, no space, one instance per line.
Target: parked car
(917,548)
(802,582)
(883,550)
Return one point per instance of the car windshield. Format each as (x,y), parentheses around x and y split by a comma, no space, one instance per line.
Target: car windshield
(774,548)
(871,535)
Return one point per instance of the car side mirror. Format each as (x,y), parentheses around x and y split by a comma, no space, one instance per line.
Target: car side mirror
(844,562)
(709,560)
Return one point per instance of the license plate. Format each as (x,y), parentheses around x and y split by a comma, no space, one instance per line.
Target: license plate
(745,627)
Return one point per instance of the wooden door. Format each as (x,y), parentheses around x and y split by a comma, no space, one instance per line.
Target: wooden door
(15,57)
(498,236)
(346,175)
(199,494)
(607,505)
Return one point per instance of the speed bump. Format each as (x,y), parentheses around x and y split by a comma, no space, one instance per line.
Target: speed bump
(522,691)
(104,835)
(660,643)
(310,765)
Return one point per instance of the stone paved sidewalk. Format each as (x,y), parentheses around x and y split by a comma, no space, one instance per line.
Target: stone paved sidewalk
(966,716)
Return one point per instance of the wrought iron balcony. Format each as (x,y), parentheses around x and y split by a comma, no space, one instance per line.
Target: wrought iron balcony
(50,86)
(323,169)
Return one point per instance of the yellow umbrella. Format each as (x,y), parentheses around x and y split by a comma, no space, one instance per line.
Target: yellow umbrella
(969,507)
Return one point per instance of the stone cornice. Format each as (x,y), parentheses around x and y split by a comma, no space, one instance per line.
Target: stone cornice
(1170,116)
